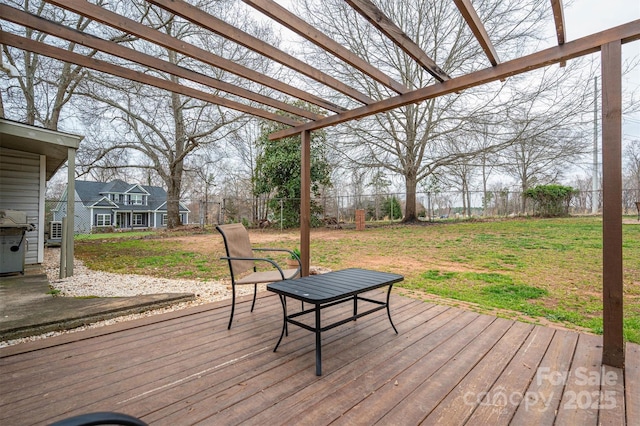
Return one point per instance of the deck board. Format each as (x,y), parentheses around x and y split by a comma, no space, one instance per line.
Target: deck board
(446,365)
(632,383)
(461,402)
(540,401)
(496,407)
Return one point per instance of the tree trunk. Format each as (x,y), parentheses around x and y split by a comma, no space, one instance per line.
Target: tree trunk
(173,201)
(464,195)
(410,208)
(177,167)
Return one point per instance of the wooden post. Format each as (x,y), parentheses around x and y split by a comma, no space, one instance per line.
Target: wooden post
(62,273)
(360,225)
(71,210)
(305,200)
(612,289)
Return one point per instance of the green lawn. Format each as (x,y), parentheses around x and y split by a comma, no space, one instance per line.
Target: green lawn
(536,270)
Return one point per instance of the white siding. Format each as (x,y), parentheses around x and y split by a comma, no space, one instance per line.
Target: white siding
(20,189)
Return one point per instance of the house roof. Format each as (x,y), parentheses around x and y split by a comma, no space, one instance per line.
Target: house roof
(93,193)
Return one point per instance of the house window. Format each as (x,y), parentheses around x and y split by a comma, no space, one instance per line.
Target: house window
(164,219)
(136,199)
(137,219)
(103,220)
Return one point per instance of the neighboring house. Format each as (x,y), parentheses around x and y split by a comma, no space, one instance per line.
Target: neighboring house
(117,204)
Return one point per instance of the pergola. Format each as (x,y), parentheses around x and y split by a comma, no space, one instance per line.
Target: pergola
(608,42)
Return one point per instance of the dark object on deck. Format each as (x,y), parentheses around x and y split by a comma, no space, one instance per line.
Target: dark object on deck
(241,259)
(102,418)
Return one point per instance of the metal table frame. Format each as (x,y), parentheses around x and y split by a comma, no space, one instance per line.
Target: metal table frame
(326,290)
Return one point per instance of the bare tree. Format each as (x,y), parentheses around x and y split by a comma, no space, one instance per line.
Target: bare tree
(549,135)
(461,175)
(159,130)
(35,88)
(411,141)
(632,167)
(241,151)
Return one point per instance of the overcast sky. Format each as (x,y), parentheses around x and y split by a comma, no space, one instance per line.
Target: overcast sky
(584,17)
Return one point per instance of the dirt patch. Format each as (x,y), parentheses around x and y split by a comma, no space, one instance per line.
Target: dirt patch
(212,243)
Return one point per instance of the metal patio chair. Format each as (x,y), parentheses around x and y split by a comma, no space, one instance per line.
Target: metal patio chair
(242,259)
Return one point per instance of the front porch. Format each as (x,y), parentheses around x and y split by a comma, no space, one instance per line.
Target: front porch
(446,365)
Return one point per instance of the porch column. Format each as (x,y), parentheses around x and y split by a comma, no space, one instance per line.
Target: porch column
(71,210)
(613,348)
(305,200)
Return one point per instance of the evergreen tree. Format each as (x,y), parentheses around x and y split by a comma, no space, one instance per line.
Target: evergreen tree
(278,172)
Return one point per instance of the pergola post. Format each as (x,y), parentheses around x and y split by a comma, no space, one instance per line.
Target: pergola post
(71,210)
(612,277)
(305,200)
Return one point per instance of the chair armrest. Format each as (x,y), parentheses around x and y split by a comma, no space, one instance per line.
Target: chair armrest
(257,259)
(284,250)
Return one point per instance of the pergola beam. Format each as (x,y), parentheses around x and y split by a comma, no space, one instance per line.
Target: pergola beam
(473,20)
(558,18)
(129,26)
(102,66)
(303,29)
(583,46)
(217,26)
(388,28)
(75,36)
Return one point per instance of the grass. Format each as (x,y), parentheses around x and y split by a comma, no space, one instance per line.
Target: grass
(536,270)
(114,235)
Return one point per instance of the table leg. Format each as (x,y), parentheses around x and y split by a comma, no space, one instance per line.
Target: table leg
(355,307)
(318,343)
(388,310)
(283,301)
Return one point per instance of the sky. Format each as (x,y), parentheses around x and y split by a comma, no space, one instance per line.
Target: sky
(584,17)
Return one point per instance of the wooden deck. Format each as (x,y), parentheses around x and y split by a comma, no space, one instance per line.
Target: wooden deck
(446,366)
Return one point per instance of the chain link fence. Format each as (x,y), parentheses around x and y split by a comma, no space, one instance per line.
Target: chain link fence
(330,211)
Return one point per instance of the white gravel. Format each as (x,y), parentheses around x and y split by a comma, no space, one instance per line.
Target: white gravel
(86,282)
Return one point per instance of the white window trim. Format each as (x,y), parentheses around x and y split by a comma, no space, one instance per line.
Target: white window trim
(134,220)
(137,200)
(103,216)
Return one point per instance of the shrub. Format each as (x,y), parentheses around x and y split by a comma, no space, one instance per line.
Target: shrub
(551,200)
(392,208)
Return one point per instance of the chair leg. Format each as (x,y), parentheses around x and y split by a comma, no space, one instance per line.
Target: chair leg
(233,305)
(255,291)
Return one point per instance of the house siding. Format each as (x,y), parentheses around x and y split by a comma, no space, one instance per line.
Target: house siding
(82,217)
(158,219)
(20,189)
